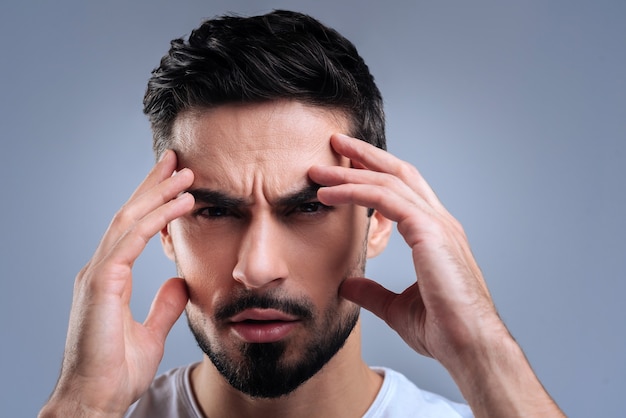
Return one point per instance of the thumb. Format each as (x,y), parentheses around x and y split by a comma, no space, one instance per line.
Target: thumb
(368,294)
(167,306)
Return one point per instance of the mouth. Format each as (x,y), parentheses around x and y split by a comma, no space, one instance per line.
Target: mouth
(263,325)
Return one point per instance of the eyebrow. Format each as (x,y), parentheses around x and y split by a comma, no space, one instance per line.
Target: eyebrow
(222,199)
(304,195)
(216,198)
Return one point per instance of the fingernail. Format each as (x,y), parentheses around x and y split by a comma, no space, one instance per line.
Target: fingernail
(185,196)
(184,170)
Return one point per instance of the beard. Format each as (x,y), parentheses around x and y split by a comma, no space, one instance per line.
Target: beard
(267,370)
(261,369)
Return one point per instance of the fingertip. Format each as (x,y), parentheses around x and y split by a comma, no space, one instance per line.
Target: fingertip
(173,293)
(185,202)
(338,141)
(314,170)
(319,175)
(167,306)
(368,294)
(165,155)
(185,173)
(167,163)
(186,199)
(348,289)
(342,137)
(176,286)
(351,148)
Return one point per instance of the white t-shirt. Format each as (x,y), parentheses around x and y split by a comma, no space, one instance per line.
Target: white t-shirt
(170,395)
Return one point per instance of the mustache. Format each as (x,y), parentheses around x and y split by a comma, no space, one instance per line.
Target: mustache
(296,307)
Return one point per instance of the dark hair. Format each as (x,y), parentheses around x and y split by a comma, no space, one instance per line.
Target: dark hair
(280,55)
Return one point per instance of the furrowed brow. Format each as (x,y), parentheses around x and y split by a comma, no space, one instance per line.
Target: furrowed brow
(216,198)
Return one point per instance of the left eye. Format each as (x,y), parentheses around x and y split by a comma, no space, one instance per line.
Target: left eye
(311,207)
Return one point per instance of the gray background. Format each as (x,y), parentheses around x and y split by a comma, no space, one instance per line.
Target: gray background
(514,112)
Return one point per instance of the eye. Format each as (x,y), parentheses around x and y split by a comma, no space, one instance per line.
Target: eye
(311,207)
(214,212)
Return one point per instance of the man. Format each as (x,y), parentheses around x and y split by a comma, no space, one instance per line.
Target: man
(269,207)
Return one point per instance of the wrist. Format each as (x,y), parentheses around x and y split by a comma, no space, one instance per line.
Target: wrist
(496,379)
(70,403)
(66,408)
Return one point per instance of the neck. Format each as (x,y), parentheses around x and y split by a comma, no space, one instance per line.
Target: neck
(345,386)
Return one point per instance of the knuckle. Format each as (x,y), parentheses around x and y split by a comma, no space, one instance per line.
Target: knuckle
(120,217)
(125,217)
(140,231)
(377,195)
(407,171)
(390,181)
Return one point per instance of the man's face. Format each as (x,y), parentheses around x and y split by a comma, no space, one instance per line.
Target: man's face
(262,258)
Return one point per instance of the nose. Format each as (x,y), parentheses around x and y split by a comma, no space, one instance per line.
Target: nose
(261,260)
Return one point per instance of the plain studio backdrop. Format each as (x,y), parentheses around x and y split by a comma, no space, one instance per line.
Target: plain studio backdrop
(515,112)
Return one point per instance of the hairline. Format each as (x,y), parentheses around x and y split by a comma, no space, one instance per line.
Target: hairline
(343,115)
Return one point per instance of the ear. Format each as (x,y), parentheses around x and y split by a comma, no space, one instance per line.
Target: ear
(378,234)
(166,242)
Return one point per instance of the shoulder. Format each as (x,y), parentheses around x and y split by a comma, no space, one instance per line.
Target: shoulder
(169,395)
(399,397)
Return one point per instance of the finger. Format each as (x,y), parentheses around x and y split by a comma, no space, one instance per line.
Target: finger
(387,184)
(336,175)
(167,306)
(367,155)
(115,266)
(143,204)
(391,205)
(413,218)
(130,246)
(368,294)
(161,170)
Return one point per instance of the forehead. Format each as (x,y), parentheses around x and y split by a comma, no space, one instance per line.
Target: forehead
(268,146)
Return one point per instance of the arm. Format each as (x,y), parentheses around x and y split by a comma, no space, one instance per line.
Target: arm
(448,313)
(110,359)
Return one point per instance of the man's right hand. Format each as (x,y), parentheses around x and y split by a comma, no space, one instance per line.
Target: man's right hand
(110,359)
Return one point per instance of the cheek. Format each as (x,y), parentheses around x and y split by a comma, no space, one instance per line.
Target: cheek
(331,253)
(206,263)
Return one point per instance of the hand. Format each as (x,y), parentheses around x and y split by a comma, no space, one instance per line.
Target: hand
(448,312)
(449,303)
(110,359)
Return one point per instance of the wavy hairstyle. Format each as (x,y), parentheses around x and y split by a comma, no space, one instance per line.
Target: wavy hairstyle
(280,55)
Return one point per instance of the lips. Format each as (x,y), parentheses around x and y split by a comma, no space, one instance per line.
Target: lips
(263,325)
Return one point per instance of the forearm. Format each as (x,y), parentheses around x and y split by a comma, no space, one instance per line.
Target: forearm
(497,381)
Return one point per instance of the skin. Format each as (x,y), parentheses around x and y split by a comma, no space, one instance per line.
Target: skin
(259,155)
(447,313)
